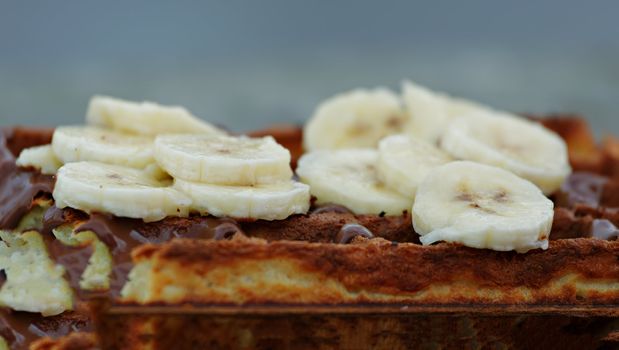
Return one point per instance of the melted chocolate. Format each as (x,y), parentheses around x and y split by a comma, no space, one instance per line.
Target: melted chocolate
(581,188)
(350,231)
(331,208)
(18,187)
(52,218)
(122,235)
(74,260)
(226,230)
(18,138)
(19,329)
(604,229)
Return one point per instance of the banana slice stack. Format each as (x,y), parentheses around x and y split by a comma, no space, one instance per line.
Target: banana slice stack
(238,177)
(109,165)
(477,176)
(147,161)
(482,206)
(463,129)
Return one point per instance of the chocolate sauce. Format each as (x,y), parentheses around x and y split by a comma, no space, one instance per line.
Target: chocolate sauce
(115,232)
(18,187)
(350,231)
(18,138)
(122,235)
(581,188)
(74,260)
(19,329)
(331,208)
(52,218)
(226,230)
(604,229)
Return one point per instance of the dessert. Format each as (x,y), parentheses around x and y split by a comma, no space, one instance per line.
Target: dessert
(146,240)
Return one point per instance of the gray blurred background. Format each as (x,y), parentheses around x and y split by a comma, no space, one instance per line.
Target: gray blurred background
(248,64)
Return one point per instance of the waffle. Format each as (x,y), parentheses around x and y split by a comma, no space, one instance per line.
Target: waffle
(309,281)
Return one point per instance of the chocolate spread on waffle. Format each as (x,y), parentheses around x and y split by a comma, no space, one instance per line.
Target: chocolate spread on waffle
(21,328)
(350,231)
(121,235)
(19,187)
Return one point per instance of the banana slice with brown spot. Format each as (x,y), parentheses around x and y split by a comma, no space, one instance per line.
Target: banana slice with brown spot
(223,160)
(118,190)
(90,143)
(523,147)
(358,118)
(482,206)
(349,178)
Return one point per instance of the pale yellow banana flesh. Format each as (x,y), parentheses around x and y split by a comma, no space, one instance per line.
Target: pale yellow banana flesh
(348,177)
(358,118)
(482,206)
(146,118)
(90,143)
(523,147)
(223,160)
(264,202)
(404,161)
(122,191)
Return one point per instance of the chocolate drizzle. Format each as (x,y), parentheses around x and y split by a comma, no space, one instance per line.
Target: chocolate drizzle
(604,229)
(18,187)
(581,188)
(52,218)
(121,235)
(19,329)
(226,230)
(349,231)
(331,208)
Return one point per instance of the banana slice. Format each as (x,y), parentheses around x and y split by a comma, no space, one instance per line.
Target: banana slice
(349,178)
(403,162)
(431,112)
(223,160)
(526,148)
(40,157)
(146,118)
(482,206)
(118,190)
(266,202)
(359,118)
(79,143)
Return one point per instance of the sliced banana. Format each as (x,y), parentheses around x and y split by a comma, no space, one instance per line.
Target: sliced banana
(349,178)
(526,148)
(223,160)
(40,157)
(146,118)
(482,206)
(266,202)
(359,118)
(431,112)
(404,161)
(118,190)
(155,171)
(90,143)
